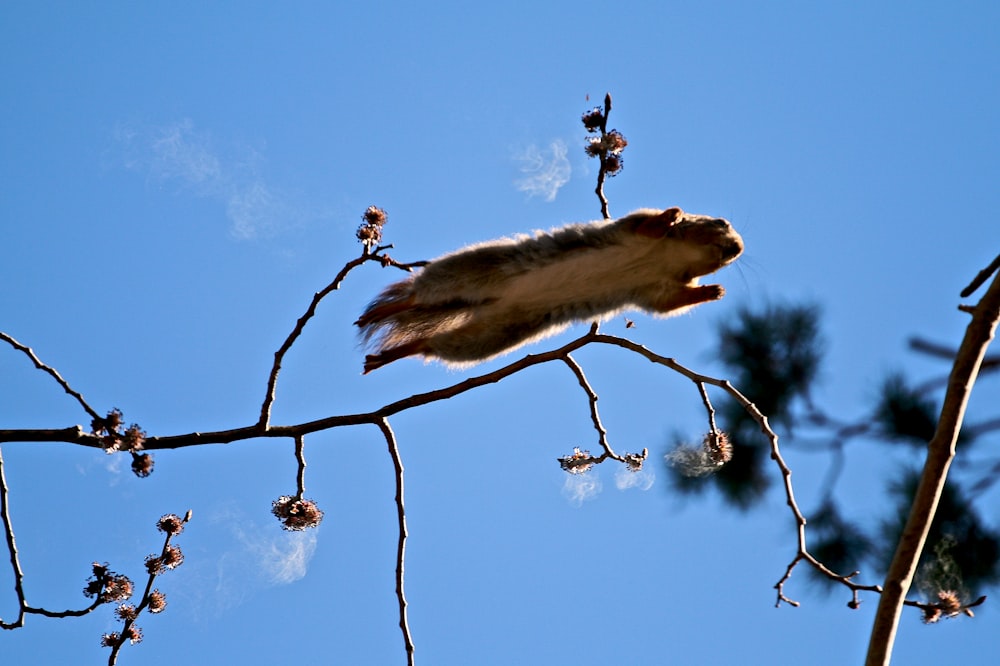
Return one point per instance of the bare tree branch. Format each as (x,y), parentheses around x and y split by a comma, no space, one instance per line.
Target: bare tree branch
(169,558)
(603,171)
(940,452)
(300,458)
(397,462)
(981,277)
(15,563)
(366,255)
(51,371)
(595,417)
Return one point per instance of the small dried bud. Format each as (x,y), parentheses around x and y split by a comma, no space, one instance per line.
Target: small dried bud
(593,148)
(375,216)
(633,461)
(170,524)
(614,141)
(157,602)
(714,452)
(107,585)
(116,588)
(613,164)
(577,463)
(296,514)
(949,602)
(154,565)
(134,438)
(126,612)
(133,634)
(718,447)
(93,587)
(113,421)
(109,640)
(142,464)
(369,235)
(370,232)
(931,614)
(592,119)
(172,557)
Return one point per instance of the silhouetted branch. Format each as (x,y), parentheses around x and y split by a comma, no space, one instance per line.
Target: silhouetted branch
(366,256)
(15,563)
(170,557)
(981,277)
(51,371)
(300,458)
(397,463)
(607,148)
(595,417)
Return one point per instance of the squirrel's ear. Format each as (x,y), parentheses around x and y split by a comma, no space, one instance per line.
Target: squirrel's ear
(655,226)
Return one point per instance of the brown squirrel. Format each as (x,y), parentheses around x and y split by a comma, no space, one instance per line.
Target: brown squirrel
(490,298)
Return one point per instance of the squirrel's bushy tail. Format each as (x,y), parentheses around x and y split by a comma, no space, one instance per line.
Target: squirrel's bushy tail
(391,326)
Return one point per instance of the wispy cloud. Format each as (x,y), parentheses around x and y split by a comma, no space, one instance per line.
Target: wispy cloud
(578,488)
(276,557)
(185,157)
(544,171)
(625,479)
(250,556)
(285,560)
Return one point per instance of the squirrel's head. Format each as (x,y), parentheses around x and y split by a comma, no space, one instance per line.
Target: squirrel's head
(698,243)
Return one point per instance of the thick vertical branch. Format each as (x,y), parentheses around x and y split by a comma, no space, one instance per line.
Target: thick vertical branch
(940,452)
(397,462)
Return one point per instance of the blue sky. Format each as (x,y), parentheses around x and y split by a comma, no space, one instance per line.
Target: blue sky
(179,180)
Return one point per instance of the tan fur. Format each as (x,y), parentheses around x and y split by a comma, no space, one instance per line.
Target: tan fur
(490,298)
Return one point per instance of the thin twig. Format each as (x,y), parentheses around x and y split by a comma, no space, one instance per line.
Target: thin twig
(595,417)
(51,371)
(603,171)
(397,463)
(15,563)
(712,428)
(123,636)
(981,277)
(300,457)
(272,380)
